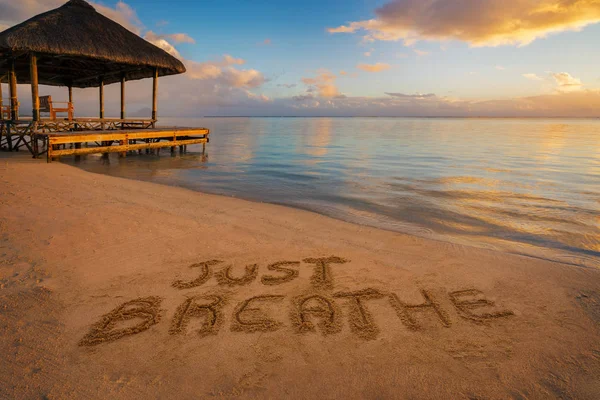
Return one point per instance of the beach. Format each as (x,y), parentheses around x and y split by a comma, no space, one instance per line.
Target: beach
(115,288)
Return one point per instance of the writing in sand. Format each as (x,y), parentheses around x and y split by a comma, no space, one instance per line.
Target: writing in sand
(316,311)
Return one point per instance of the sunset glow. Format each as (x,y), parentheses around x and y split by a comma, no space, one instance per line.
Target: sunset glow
(473,58)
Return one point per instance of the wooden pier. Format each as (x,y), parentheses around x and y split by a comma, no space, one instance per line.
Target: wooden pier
(121,141)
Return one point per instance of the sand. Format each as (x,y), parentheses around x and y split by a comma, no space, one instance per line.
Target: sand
(112,288)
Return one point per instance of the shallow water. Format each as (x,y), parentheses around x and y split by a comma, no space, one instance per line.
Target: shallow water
(527,186)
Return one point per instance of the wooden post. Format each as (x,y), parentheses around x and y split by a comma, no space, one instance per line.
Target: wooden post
(154,94)
(35,98)
(70,88)
(123,96)
(1,109)
(101,94)
(101,101)
(14,102)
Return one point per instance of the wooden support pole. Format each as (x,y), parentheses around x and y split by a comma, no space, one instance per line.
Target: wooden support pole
(14,101)
(101,94)
(35,97)
(123,96)
(70,94)
(1,109)
(154,94)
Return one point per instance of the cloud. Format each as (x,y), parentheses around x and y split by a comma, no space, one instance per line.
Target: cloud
(533,77)
(324,84)
(267,42)
(367,54)
(224,73)
(180,96)
(378,67)
(14,12)
(287,85)
(500,68)
(303,97)
(123,14)
(421,53)
(412,96)
(477,22)
(229,60)
(160,41)
(566,82)
(348,74)
(179,38)
(585,103)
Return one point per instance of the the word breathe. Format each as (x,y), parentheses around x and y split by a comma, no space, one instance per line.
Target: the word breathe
(318,310)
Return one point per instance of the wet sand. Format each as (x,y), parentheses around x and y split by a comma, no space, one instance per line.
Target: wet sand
(113,288)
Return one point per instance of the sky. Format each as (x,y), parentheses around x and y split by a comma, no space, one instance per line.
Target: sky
(534,58)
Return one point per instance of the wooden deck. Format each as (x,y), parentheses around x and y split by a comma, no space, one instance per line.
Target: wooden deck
(82,136)
(119,141)
(24,132)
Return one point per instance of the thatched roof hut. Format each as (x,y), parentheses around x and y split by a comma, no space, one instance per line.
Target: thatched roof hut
(76,46)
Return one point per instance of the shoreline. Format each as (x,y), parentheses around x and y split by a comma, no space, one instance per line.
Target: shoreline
(582,258)
(122,288)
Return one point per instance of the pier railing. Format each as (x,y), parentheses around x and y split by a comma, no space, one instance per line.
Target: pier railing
(93,135)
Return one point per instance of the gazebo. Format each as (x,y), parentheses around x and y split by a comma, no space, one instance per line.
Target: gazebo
(75,46)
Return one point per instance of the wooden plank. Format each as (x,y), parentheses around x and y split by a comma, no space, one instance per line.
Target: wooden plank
(121,148)
(137,131)
(200,131)
(65,139)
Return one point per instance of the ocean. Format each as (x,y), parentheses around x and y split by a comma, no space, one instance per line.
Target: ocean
(524,186)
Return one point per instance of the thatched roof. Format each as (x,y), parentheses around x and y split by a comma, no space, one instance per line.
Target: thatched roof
(77,45)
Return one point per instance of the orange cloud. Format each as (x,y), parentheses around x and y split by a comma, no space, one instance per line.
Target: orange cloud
(160,41)
(495,22)
(374,67)
(180,38)
(324,83)
(224,73)
(566,82)
(533,77)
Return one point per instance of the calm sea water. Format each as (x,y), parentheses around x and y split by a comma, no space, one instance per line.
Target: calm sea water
(526,186)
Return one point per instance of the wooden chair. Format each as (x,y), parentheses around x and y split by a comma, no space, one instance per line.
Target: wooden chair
(47,105)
